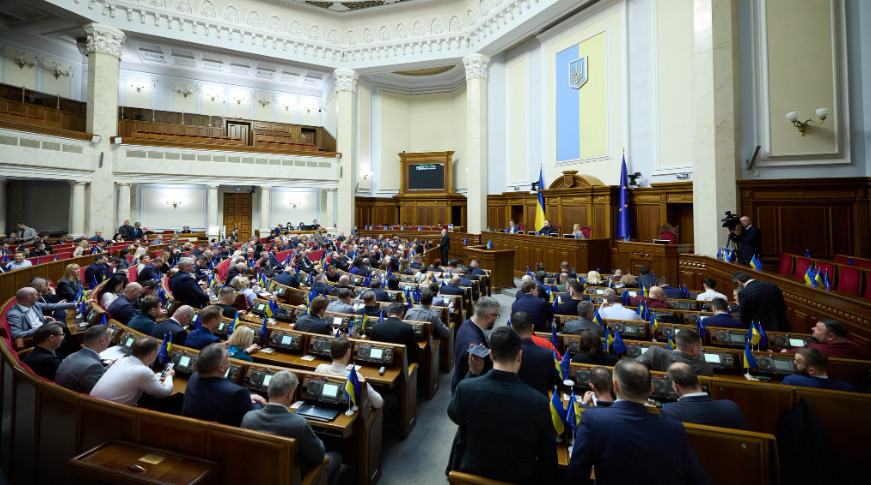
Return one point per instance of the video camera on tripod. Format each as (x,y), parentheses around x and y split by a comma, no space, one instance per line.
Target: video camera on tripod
(731,221)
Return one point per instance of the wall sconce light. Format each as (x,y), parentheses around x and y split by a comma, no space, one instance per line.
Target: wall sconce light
(792,116)
(138,85)
(57,69)
(185,89)
(173,203)
(23,59)
(295,203)
(240,98)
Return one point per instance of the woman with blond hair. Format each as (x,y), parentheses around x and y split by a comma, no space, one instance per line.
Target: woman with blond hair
(243,285)
(82,249)
(241,344)
(594,278)
(68,286)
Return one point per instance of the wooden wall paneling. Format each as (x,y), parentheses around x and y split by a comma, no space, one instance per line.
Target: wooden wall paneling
(842,230)
(57,436)
(796,233)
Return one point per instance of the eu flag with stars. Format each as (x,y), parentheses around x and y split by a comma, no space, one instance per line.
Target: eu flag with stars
(623,221)
(263,332)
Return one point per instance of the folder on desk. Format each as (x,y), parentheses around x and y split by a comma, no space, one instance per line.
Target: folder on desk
(312,410)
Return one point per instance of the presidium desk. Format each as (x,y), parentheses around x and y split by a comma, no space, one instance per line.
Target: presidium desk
(582,254)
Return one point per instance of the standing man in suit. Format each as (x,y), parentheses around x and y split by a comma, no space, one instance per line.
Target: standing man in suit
(28,313)
(392,329)
(761,302)
(539,310)
(445,244)
(537,370)
(695,406)
(212,397)
(471,333)
(26,234)
(276,418)
(81,370)
(42,358)
(625,432)
(184,288)
(749,240)
(505,429)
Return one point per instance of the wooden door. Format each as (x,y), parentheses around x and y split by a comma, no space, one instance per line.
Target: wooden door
(237,214)
(239,130)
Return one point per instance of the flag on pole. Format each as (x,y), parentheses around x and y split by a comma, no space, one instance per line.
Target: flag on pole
(623,219)
(263,330)
(618,345)
(553,338)
(755,263)
(818,277)
(556,364)
(608,339)
(233,324)
(557,413)
(809,278)
(749,360)
(352,386)
(763,337)
(489,244)
(162,352)
(539,208)
(826,283)
(564,365)
(573,418)
(598,319)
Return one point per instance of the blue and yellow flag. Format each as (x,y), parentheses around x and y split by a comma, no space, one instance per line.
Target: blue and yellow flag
(754,336)
(352,385)
(809,277)
(763,340)
(163,352)
(623,219)
(749,360)
(573,418)
(598,319)
(539,207)
(263,332)
(489,244)
(818,277)
(233,324)
(702,328)
(755,263)
(653,324)
(670,343)
(557,413)
(619,346)
(565,365)
(556,364)
(609,339)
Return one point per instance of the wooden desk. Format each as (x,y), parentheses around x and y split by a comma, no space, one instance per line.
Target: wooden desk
(582,254)
(118,462)
(500,262)
(660,258)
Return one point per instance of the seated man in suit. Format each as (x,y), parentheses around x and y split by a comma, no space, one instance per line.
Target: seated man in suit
(370,307)
(276,418)
(210,320)
(625,432)
(811,365)
(465,281)
(474,271)
(212,397)
(656,299)
(670,291)
(343,303)
(547,229)
(18,261)
(148,269)
(184,288)
(28,314)
(380,295)
(645,279)
(512,228)
(81,370)
(601,391)
(505,428)
(586,310)
(392,329)
(287,277)
(721,316)
(123,309)
(98,270)
(540,311)
(226,300)
(423,313)
(145,322)
(313,321)
(320,285)
(689,351)
(453,287)
(576,296)
(695,406)
(174,326)
(42,358)
(537,370)
(343,284)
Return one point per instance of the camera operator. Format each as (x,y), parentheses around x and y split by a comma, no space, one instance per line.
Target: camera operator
(749,239)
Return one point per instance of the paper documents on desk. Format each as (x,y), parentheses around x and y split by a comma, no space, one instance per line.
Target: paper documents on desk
(307,357)
(356,367)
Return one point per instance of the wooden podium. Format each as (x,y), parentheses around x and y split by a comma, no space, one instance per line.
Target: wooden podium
(660,258)
(500,262)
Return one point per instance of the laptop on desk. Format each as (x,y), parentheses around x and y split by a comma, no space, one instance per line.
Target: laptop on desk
(318,412)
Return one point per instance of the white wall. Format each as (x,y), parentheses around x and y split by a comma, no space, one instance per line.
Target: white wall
(154,211)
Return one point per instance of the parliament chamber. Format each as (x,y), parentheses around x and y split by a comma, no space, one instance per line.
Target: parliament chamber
(422,136)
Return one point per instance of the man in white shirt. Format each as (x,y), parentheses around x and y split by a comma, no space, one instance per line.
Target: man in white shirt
(613,309)
(126,380)
(340,351)
(18,262)
(709,294)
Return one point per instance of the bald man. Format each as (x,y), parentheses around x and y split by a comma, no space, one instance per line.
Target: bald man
(27,314)
(123,309)
(656,299)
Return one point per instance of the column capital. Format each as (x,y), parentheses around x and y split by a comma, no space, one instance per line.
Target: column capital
(476,66)
(265,188)
(123,184)
(214,186)
(104,39)
(79,183)
(346,80)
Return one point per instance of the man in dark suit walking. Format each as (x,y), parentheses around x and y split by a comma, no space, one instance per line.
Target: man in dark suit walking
(445,244)
(626,433)
(749,240)
(212,397)
(695,406)
(505,429)
(761,302)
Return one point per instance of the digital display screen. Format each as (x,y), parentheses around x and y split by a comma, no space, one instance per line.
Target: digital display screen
(712,358)
(782,364)
(129,342)
(600,291)
(736,337)
(643,350)
(227,374)
(266,379)
(796,342)
(261,307)
(330,389)
(184,361)
(337,321)
(376,353)
(221,326)
(286,339)
(632,293)
(426,176)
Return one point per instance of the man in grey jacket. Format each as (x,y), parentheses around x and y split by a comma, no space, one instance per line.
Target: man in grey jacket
(276,418)
(28,313)
(343,304)
(423,313)
(26,234)
(81,370)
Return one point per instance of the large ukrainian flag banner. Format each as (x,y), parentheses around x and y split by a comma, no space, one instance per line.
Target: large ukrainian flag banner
(582,100)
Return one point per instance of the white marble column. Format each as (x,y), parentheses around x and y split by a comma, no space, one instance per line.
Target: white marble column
(123,203)
(716,114)
(476,66)
(2,206)
(265,226)
(77,208)
(104,44)
(214,227)
(346,145)
(327,216)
